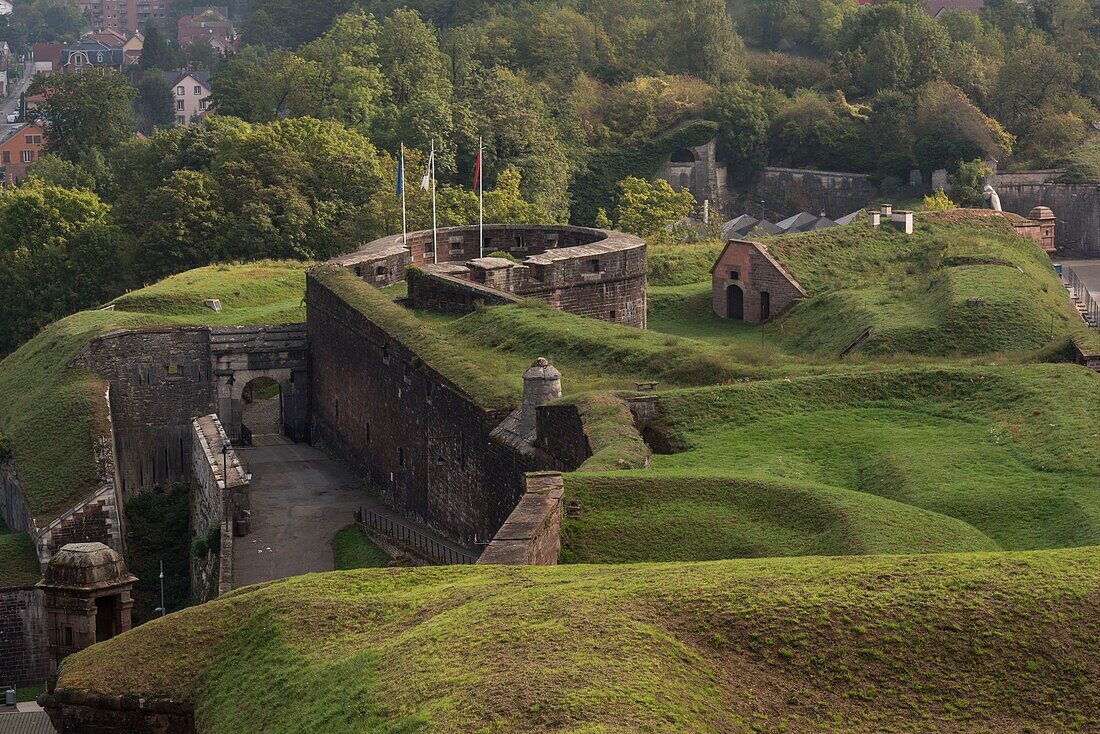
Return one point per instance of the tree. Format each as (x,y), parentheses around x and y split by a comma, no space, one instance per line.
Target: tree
(59,252)
(48,21)
(704,42)
(968,182)
(937,202)
(888,62)
(742,132)
(155,51)
(645,208)
(82,112)
(155,104)
(184,225)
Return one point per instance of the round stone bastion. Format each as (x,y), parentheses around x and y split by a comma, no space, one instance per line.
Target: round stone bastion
(590,272)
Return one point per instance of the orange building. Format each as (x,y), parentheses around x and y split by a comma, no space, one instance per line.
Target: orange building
(21,147)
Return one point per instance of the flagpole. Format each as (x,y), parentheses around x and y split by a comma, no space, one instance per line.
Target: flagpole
(435,235)
(481,195)
(401,173)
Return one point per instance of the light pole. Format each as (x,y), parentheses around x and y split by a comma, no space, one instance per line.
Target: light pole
(161,608)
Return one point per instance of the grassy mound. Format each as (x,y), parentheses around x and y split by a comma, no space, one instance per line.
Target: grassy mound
(18,561)
(893,461)
(638,516)
(963,283)
(945,643)
(52,411)
(602,355)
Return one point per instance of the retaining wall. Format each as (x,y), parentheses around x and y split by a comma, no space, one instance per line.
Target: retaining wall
(419,439)
(1076,206)
(532,533)
(23,657)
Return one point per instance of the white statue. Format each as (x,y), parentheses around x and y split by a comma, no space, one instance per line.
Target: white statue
(991,196)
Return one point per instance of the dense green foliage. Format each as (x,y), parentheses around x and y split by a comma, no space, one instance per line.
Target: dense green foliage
(158,530)
(952,643)
(351,549)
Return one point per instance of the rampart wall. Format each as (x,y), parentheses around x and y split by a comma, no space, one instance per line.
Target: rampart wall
(788,190)
(532,533)
(210,507)
(1076,206)
(23,657)
(418,437)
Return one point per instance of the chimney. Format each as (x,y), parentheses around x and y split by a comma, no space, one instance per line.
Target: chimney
(874,219)
(541,385)
(887,210)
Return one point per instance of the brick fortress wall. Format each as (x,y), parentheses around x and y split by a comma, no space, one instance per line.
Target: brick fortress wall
(589,272)
(415,435)
(757,273)
(23,658)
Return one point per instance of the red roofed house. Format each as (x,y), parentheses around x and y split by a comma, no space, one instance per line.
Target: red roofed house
(19,149)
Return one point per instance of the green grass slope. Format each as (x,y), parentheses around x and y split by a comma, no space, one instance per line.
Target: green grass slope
(51,411)
(917,291)
(891,461)
(948,643)
(18,561)
(351,548)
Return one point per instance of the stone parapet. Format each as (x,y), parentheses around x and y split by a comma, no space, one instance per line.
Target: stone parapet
(531,535)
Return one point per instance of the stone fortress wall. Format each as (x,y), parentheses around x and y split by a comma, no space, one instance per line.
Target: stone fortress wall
(585,271)
(160,379)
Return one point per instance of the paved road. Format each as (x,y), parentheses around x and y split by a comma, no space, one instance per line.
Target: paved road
(1088,271)
(299,498)
(11,103)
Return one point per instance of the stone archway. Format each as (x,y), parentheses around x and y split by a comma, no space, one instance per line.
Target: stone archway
(231,393)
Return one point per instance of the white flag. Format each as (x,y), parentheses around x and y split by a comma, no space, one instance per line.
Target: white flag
(426,182)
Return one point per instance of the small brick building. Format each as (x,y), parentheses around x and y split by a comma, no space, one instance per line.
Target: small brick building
(748,284)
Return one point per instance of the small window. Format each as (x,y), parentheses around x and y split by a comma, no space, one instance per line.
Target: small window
(385,354)
(202,104)
(366,433)
(28,155)
(407,374)
(401,457)
(337,410)
(68,636)
(36,139)
(198,90)
(519,244)
(612,315)
(179,104)
(180,120)
(175,370)
(735,275)
(99,57)
(380,271)
(594,266)
(181,91)
(28,139)
(6,158)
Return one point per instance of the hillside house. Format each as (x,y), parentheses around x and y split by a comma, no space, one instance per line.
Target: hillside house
(190,93)
(21,147)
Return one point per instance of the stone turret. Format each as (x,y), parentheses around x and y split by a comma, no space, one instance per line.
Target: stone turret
(1045,218)
(87,597)
(541,385)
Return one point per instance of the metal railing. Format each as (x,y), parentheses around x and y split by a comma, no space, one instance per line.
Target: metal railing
(1087,306)
(425,546)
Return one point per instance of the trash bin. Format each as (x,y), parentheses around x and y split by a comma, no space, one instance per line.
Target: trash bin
(9,697)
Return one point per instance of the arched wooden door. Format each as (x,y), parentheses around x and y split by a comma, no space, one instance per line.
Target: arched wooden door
(735,303)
